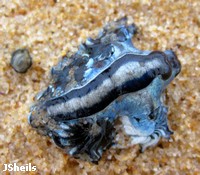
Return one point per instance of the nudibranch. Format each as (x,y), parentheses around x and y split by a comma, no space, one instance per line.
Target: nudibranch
(105,80)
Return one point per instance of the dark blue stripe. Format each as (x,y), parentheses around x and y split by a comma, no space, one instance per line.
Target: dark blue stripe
(130,86)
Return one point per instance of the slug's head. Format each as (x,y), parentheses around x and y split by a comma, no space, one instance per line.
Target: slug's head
(174,62)
(38,119)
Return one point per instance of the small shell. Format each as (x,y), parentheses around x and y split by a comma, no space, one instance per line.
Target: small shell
(21,60)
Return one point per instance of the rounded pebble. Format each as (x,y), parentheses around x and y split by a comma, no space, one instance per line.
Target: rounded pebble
(21,60)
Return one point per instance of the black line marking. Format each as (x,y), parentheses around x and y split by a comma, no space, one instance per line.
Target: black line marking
(130,86)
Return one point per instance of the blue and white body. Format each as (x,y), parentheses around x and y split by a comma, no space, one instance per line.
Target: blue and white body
(106,80)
